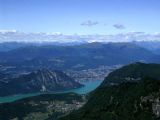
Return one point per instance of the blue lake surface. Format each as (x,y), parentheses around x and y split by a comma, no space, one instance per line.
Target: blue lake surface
(89,86)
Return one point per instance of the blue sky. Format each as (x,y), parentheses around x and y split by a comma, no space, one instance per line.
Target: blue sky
(80,16)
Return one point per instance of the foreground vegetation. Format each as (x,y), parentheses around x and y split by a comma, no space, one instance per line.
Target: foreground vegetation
(133,94)
(42,107)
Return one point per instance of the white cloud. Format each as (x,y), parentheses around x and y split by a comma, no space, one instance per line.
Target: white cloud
(8,31)
(13,35)
(89,23)
(119,26)
(54,33)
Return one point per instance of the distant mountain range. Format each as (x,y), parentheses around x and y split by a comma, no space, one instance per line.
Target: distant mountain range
(77,57)
(153,46)
(7,46)
(136,97)
(38,81)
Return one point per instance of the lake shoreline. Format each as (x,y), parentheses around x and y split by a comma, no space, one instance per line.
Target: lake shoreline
(89,86)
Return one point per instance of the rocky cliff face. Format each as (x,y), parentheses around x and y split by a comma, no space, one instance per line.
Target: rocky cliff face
(42,80)
(52,80)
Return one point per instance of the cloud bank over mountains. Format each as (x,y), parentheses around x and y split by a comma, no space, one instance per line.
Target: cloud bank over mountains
(16,36)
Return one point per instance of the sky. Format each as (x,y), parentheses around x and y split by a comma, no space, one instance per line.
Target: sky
(80,16)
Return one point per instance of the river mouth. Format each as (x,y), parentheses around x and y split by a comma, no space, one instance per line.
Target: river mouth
(88,87)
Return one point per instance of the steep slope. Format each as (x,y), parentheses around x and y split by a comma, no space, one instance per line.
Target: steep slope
(127,100)
(133,72)
(39,81)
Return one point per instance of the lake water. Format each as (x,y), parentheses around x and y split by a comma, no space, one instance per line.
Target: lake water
(89,86)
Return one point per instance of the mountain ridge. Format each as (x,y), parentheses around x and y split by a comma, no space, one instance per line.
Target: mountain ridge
(133,72)
(127,100)
(76,57)
(42,80)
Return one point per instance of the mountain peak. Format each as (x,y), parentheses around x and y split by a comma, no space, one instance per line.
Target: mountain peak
(42,80)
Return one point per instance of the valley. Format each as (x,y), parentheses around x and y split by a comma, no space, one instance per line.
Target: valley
(80,82)
(92,74)
(130,92)
(79,60)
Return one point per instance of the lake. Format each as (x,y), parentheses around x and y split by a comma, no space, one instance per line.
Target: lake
(89,86)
